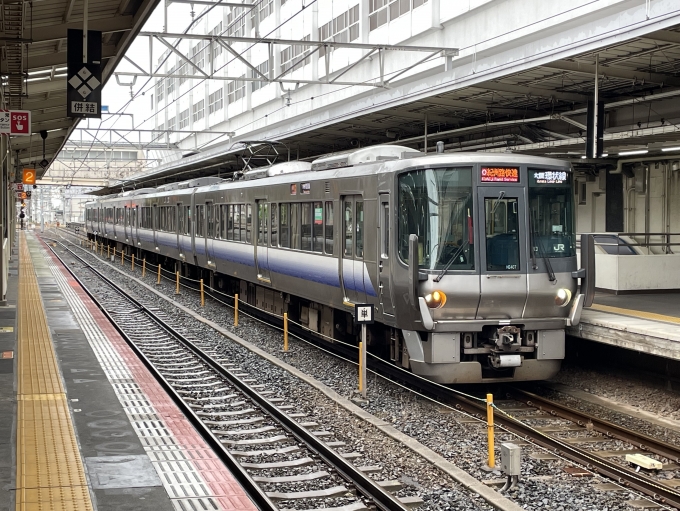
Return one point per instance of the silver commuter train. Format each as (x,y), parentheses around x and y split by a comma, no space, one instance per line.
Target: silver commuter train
(469,258)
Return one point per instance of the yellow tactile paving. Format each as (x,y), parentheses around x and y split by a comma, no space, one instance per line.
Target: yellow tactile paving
(635,313)
(50,474)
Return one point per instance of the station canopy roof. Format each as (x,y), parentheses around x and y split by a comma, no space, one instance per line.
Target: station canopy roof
(34,57)
(539,111)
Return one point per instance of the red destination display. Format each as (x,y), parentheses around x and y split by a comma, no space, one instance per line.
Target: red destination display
(500,175)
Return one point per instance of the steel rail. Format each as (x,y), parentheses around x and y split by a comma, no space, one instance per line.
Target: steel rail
(256,494)
(381,498)
(609,429)
(619,473)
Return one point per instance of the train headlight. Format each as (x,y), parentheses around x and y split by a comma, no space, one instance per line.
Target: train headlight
(435,299)
(563,297)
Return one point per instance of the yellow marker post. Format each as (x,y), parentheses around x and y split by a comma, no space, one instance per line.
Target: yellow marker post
(489,430)
(133,262)
(159,274)
(177,283)
(202,295)
(108,251)
(236,309)
(285,331)
(143,267)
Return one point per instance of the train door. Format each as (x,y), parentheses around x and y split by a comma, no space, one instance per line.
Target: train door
(384,266)
(261,242)
(353,249)
(503,252)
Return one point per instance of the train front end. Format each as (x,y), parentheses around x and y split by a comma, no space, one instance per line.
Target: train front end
(491,277)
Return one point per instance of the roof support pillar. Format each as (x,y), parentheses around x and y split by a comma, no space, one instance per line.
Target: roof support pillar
(85,16)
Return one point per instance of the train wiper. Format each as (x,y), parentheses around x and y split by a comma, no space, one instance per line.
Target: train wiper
(448,265)
(539,245)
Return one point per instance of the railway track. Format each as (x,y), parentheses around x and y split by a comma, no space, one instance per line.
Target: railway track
(524,416)
(276,453)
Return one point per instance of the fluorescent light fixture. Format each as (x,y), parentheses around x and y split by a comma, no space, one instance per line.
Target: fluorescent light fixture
(40,72)
(583,157)
(666,149)
(631,153)
(604,155)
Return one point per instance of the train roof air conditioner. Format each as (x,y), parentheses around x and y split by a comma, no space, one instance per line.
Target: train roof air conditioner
(141,191)
(199,181)
(364,155)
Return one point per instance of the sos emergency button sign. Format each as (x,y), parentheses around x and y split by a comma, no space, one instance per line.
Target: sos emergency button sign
(15,122)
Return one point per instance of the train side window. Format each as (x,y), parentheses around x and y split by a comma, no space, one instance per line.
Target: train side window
(262,215)
(359,238)
(284,223)
(210,212)
(180,222)
(273,225)
(306,224)
(348,229)
(317,226)
(237,222)
(224,217)
(242,216)
(385,238)
(230,222)
(249,224)
(200,221)
(329,228)
(295,226)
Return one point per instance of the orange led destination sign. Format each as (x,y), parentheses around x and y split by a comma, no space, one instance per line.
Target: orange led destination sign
(500,175)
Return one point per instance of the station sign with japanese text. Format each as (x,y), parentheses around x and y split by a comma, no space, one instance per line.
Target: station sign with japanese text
(84,79)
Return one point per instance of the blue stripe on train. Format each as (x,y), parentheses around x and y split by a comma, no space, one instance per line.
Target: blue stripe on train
(310,267)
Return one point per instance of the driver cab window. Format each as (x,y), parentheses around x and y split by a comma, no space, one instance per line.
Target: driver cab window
(502,236)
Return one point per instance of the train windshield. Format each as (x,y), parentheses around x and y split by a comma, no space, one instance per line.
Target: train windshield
(551,213)
(436,204)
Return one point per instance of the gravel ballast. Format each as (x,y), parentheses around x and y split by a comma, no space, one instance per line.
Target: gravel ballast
(543,485)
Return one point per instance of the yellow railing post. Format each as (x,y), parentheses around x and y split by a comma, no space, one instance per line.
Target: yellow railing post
(285,331)
(122,258)
(177,283)
(159,274)
(236,309)
(489,430)
(202,295)
(143,267)
(361,367)
(108,251)
(133,262)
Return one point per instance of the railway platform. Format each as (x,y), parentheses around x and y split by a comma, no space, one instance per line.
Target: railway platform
(646,322)
(83,424)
